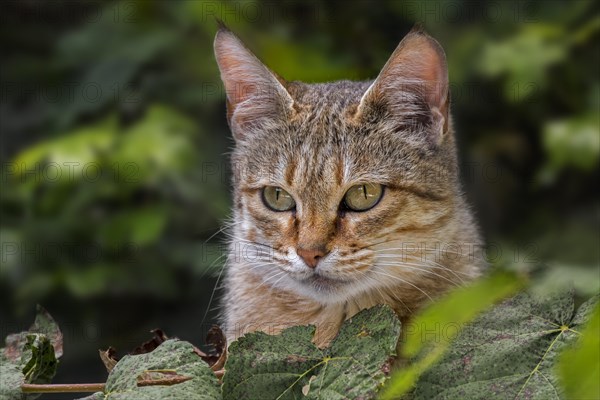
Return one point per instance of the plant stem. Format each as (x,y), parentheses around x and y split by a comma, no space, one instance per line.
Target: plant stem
(65,388)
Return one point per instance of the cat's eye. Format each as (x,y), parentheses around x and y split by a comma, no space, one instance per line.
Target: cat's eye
(278,199)
(363,197)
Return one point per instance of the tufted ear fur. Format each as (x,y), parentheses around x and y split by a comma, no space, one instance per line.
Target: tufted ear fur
(255,95)
(413,83)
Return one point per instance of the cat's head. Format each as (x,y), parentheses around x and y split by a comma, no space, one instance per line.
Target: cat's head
(332,180)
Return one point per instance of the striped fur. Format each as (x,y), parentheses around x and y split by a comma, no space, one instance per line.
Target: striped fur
(316,141)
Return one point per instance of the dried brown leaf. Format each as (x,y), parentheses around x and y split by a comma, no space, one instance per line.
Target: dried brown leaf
(109,358)
(161,377)
(216,357)
(147,347)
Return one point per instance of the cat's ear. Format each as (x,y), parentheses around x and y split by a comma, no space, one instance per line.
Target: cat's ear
(255,95)
(413,84)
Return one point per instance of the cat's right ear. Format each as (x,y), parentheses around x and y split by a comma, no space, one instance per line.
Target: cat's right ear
(255,95)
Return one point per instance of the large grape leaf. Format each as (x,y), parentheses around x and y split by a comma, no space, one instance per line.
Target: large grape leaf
(290,366)
(30,357)
(429,334)
(171,357)
(508,352)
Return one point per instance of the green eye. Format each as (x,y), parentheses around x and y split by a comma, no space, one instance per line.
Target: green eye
(278,199)
(363,197)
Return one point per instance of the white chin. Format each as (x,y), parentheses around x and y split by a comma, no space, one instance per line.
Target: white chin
(322,289)
(323,284)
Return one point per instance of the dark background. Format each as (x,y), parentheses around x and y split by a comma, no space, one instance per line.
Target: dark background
(114,146)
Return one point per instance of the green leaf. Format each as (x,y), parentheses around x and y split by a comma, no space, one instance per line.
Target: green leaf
(30,356)
(172,355)
(290,366)
(113,55)
(524,59)
(578,368)
(571,142)
(305,63)
(93,280)
(584,279)
(158,144)
(43,324)
(38,359)
(142,227)
(69,154)
(508,352)
(431,332)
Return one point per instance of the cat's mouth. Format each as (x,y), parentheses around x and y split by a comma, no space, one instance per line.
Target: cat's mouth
(322,282)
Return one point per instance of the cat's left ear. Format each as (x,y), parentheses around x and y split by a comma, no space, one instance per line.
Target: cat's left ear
(255,95)
(414,81)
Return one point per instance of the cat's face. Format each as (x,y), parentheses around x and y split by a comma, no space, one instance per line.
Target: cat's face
(334,182)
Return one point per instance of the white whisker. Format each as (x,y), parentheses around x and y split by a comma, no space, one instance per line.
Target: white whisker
(415,267)
(428,264)
(403,281)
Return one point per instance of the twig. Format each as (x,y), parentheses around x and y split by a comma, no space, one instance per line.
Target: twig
(63,388)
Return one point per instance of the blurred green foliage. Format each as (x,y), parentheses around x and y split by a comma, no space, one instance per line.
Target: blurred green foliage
(105,224)
(129,90)
(578,367)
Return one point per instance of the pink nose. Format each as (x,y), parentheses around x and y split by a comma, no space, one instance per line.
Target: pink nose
(311,256)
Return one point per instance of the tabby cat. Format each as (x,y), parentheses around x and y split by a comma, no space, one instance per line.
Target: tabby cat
(346,194)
